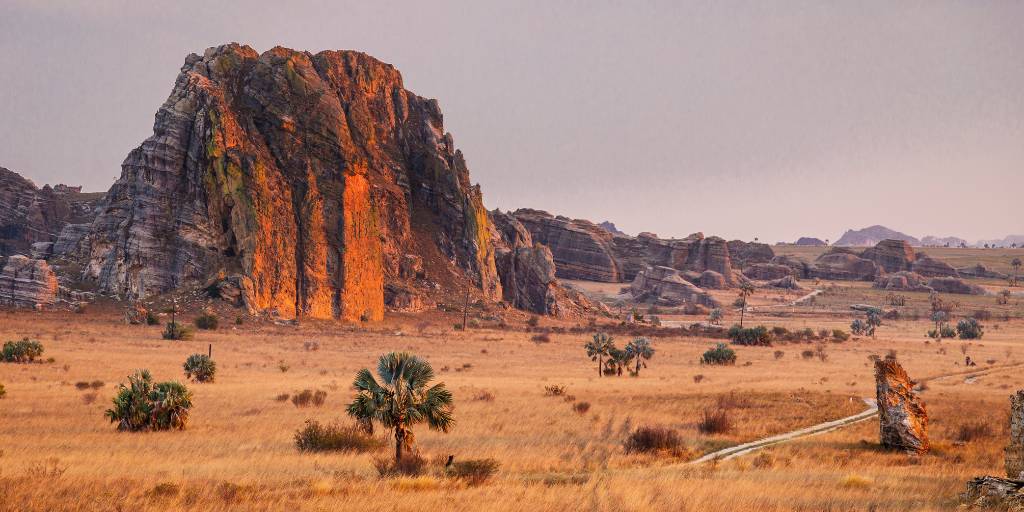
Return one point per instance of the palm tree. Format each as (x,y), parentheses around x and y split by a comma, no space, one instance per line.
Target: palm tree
(746,290)
(639,349)
(1015,263)
(402,398)
(598,349)
(939,318)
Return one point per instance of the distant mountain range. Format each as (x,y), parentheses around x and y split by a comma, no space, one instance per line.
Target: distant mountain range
(871,235)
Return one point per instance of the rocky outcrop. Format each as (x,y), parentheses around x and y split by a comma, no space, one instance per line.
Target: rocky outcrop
(902,281)
(744,254)
(1015,449)
(931,267)
(310,176)
(711,280)
(807,241)
(891,255)
(993,493)
(902,417)
(843,265)
(768,271)
(27,282)
(800,267)
(580,249)
(30,215)
(610,227)
(872,235)
(664,286)
(785,283)
(954,285)
(980,271)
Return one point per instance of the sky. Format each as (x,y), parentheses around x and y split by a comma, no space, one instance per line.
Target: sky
(759,119)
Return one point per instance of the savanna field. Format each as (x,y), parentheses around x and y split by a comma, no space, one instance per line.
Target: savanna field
(526,396)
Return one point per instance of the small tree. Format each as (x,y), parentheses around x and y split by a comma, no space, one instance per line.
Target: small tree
(715,316)
(969,329)
(874,320)
(640,350)
(402,399)
(746,290)
(142,405)
(1015,263)
(721,354)
(599,348)
(200,368)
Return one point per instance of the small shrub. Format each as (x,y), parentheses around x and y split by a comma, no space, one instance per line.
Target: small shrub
(283,366)
(968,432)
(335,437)
(698,378)
(200,368)
(780,332)
(3,392)
(142,405)
(412,464)
(721,354)
(238,320)
(653,440)
(473,471)
(969,329)
(311,345)
(484,396)
(96,384)
(283,397)
(840,335)
(581,407)
(152,319)
(308,397)
(541,338)
(779,354)
(807,354)
(823,333)
(554,390)
(176,331)
(207,322)
(533,321)
(982,315)
(81,385)
(750,335)
(24,351)
(714,421)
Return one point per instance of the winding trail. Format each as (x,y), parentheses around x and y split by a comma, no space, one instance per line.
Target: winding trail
(829,426)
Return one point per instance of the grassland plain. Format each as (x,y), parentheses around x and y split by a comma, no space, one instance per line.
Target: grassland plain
(58,452)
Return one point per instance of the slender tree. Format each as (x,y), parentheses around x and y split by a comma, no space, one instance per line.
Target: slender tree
(1015,263)
(402,399)
(598,348)
(640,350)
(746,290)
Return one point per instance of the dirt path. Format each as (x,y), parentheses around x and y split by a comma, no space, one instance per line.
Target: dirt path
(796,302)
(829,426)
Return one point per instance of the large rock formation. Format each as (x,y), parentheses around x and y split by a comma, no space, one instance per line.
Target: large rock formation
(872,235)
(309,176)
(931,267)
(31,215)
(769,271)
(1015,448)
(954,285)
(580,248)
(844,265)
(980,271)
(807,241)
(744,254)
(902,418)
(902,281)
(664,286)
(27,282)
(891,255)
(801,268)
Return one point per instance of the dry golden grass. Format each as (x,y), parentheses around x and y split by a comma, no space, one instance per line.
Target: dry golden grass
(58,452)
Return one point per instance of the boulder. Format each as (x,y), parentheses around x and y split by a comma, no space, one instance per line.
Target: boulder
(902,418)
(711,280)
(891,255)
(664,286)
(744,254)
(27,282)
(954,285)
(994,493)
(980,271)
(930,267)
(400,297)
(842,265)
(768,271)
(902,281)
(786,283)
(235,289)
(1015,448)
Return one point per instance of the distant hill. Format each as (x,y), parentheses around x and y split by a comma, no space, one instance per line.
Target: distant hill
(945,241)
(1005,242)
(810,241)
(870,236)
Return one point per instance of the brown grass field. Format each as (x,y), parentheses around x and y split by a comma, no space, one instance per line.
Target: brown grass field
(58,452)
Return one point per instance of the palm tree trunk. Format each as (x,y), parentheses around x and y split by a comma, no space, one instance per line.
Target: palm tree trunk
(637,366)
(600,364)
(743,310)
(398,447)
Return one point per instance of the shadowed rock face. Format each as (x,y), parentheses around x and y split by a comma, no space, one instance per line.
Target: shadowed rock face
(311,176)
(769,271)
(902,281)
(902,418)
(954,285)
(744,254)
(891,255)
(981,271)
(839,264)
(27,282)
(664,286)
(30,215)
(580,249)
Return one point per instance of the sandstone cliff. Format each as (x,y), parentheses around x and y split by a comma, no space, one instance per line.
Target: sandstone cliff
(304,178)
(31,215)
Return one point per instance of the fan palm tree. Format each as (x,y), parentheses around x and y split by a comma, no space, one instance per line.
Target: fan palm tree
(599,348)
(401,399)
(639,349)
(746,290)
(1015,263)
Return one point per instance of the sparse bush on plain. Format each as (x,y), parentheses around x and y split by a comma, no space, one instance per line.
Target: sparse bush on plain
(176,331)
(840,335)
(23,351)
(759,336)
(968,432)
(714,420)
(207,322)
(654,440)
(541,338)
(335,437)
(200,368)
(779,354)
(143,405)
(3,391)
(969,329)
(581,407)
(473,471)
(720,355)
(554,390)
(308,397)
(152,319)
(311,345)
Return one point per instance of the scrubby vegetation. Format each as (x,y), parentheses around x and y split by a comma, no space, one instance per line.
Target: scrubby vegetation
(472,471)
(3,391)
(23,351)
(200,368)
(969,329)
(715,420)
(759,336)
(721,354)
(335,437)
(176,331)
(207,322)
(648,439)
(308,397)
(143,405)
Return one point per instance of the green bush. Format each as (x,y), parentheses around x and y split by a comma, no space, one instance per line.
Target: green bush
(176,331)
(750,335)
(335,437)
(969,329)
(473,471)
(207,322)
(200,368)
(152,319)
(24,351)
(142,405)
(721,354)
(945,330)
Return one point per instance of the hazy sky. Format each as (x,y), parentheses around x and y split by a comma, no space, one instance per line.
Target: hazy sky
(741,119)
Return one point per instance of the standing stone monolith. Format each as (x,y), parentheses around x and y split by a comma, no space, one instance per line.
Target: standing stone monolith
(1015,450)
(902,418)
